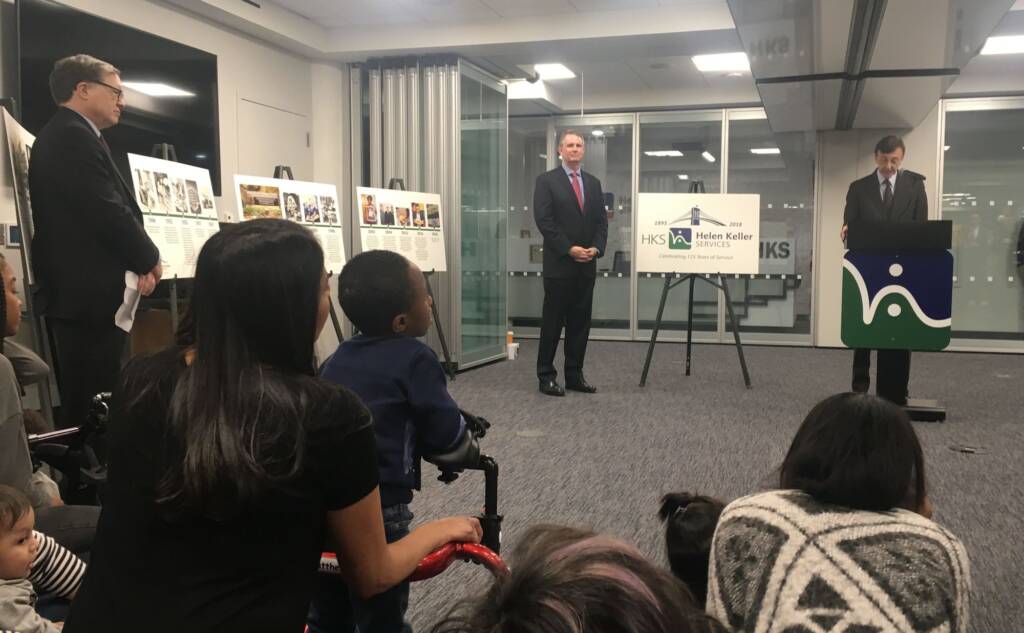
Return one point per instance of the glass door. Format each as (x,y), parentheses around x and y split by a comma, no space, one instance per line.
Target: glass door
(483,217)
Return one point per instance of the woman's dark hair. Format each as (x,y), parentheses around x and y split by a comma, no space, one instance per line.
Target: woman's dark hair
(374,288)
(13,505)
(858,451)
(566,580)
(690,522)
(237,411)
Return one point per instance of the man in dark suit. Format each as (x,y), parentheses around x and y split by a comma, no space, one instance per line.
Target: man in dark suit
(568,206)
(895,195)
(89,245)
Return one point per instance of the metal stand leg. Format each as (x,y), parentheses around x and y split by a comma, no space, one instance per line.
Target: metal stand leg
(448,365)
(654,333)
(689,325)
(174,306)
(735,330)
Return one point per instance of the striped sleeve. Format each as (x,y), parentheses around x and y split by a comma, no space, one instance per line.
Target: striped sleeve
(55,569)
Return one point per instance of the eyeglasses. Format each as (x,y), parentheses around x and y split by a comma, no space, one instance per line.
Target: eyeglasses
(117,91)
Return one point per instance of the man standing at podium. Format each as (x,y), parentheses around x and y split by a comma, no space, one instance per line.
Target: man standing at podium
(90,252)
(568,206)
(894,195)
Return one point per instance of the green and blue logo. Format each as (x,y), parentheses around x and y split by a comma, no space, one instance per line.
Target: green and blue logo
(897,301)
(680,239)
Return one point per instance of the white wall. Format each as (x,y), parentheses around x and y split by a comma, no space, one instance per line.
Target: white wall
(842,158)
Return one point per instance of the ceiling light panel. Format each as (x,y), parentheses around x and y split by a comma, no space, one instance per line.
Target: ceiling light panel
(663,153)
(156,89)
(553,71)
(765,151)
(722,62)
(1003,45)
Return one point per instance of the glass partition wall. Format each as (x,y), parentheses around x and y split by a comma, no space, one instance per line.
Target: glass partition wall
(983,195)
(669,152)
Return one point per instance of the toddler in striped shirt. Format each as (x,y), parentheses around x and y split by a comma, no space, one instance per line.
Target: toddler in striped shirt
(30,561)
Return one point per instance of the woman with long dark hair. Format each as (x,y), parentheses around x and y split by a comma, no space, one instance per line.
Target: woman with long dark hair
(848,542)
(232,466)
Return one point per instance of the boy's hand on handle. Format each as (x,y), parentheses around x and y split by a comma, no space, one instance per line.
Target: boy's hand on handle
(459,529)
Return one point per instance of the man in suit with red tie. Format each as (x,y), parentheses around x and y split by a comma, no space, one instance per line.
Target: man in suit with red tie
(568,206)
(895,195)
(88,244)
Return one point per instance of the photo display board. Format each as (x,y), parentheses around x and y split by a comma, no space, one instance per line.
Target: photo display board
(706,233)
(177,210)
(313,205)
(19,150)
(405,222)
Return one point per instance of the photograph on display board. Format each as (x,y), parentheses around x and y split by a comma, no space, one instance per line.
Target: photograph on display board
(387,214)
(260,201)
(402,214)
(192,189)
(311,209)
(180,196)
(328,210)
(206,197)
(164,201)
(433,216)
(292,206)
(369,207)
(419,216)
(145,192)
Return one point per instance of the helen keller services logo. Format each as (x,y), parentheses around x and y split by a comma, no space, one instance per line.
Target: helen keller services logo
(680,238)
(897,301)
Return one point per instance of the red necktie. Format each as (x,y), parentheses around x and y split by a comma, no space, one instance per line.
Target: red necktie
(576,188)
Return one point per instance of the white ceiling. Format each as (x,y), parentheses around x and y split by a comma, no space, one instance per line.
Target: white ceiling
(347,13)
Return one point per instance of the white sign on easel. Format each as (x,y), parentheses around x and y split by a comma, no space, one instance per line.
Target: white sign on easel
(405,222)
(704,233)
(314,205)
(178,210)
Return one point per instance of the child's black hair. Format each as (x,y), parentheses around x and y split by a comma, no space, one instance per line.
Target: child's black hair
(690,522)
(373,288)
(13,506)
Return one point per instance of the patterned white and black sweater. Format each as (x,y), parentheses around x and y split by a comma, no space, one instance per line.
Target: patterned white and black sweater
(783,563)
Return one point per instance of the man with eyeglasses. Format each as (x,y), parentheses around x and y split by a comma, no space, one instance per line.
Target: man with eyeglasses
(89,247)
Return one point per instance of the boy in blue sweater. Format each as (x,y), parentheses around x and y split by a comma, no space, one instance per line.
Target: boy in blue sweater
(401,381)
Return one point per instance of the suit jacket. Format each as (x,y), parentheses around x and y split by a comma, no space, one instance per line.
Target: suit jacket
(909,201)
(563,225)
(88,228)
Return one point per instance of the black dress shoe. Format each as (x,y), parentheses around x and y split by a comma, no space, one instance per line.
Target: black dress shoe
(580,385)
(551,388)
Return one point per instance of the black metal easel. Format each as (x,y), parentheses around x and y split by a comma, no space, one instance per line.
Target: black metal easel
(398,184)
(697,186)
(284,172)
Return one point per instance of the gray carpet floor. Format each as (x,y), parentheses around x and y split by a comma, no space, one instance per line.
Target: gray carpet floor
(602,461)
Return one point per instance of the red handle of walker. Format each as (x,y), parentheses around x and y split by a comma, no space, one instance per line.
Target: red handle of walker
(437,561)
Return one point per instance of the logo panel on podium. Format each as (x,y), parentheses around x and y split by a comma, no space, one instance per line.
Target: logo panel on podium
(897,301)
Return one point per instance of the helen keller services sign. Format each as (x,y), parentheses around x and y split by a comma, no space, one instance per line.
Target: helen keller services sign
(704,233)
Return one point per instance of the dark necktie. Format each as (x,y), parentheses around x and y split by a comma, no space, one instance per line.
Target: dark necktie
(576,188)
(103,142)
(887,194)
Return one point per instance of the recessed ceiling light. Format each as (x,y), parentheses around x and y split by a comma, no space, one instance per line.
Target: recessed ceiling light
(734,74)
(553,71)
(764,151)
(156,89)
(597,133)
(708,156)
(722,62)
(544,156)
(201,156)
(945,148)
(1003,45)
(663,153)
(684,176)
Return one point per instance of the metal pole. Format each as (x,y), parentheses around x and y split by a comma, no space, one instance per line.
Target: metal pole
(689,325)
(654,332)
(448,365)
(735,331)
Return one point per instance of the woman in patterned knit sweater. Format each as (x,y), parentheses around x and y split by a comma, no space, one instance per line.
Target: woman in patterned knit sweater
(847,544)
